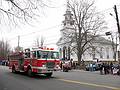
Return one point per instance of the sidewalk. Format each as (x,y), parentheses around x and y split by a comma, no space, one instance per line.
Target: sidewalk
(96,72)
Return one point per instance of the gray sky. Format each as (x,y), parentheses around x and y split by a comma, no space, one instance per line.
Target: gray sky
(49,24)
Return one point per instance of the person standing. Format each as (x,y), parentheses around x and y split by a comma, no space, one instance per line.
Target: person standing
(74,66)
(91,67)
(61,65)
(105,68)
(111,68)
(101,68)
(118,73)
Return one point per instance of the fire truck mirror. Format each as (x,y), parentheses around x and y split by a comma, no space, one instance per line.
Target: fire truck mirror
(46,57)
(27,55)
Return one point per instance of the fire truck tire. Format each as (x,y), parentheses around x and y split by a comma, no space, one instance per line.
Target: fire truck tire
(13,69)
(48,74)
(29,72)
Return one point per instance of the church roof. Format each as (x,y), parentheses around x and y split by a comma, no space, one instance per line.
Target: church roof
(97,39)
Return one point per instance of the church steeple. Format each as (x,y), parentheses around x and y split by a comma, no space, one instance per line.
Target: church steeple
(68,7)
(68,16)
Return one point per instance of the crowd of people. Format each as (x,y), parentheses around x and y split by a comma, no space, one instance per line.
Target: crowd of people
(106,68)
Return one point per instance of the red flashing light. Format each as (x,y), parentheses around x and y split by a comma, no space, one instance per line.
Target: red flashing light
(41,47)
(51,48)
(44,48)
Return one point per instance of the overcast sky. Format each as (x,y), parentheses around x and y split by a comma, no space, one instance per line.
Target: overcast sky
(49,24)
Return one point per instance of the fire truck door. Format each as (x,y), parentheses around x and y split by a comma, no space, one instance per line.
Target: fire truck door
(21,63)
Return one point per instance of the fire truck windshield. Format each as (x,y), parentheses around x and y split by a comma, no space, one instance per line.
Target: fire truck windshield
(54,55)
(44,54)
(47,54)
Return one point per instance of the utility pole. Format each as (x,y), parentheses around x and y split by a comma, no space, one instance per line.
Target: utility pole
(118,26)
(18,43)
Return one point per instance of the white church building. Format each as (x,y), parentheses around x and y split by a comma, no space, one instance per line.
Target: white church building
(103,48)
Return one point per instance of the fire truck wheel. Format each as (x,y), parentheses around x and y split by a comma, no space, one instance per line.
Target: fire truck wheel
(30,72)
(48,74)
(13,69)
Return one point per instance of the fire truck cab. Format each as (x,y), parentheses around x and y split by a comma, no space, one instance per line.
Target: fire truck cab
(35,61)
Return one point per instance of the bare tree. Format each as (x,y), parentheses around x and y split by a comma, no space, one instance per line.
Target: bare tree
(42,41)
(20,10)
(4,49)
(39,42)
(87,24)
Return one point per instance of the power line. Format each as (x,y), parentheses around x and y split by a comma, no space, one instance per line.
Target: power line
(105,10)
(53,27)
(42,30)
(46,29)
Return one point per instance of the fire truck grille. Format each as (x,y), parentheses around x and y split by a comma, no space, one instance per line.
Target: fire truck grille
(50,64)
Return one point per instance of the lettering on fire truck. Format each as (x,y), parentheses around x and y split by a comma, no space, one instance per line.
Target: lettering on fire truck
(35,61)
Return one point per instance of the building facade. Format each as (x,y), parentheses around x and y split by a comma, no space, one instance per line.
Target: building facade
(102,48)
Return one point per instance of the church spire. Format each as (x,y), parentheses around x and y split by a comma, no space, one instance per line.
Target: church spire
(68,16)
(68,7)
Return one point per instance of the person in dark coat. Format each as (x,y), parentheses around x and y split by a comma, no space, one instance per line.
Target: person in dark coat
(118,73)
(101,68)
(105,68)
(61,65)
(74,66)
(111,68)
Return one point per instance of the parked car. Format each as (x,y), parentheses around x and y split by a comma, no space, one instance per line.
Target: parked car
(115,66)
(92,66)
(4,62)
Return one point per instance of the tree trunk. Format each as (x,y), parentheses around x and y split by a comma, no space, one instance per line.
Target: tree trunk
(79,55)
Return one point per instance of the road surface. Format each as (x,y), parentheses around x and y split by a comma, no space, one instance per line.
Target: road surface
(73,80)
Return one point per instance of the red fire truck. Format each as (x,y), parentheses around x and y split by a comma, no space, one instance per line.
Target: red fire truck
(35,61)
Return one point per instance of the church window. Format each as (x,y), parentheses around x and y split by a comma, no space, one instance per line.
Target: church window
(101,52)
(107,53)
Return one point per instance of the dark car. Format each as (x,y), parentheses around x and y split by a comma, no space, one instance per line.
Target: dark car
(94,67)
(115,66)
(4,63)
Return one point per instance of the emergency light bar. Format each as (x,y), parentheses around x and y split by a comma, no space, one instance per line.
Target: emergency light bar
(48,48)
(44,48)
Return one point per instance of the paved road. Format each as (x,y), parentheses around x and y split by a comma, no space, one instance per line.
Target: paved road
(73,80)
